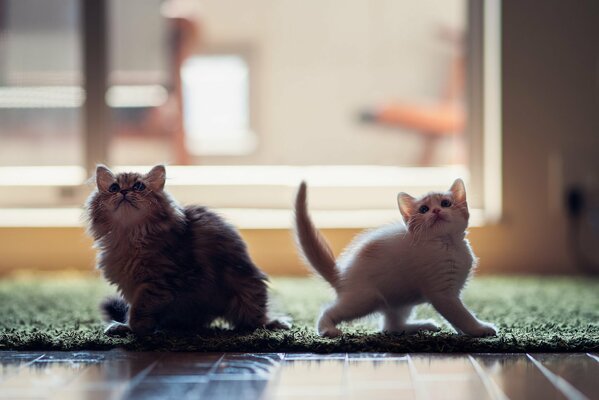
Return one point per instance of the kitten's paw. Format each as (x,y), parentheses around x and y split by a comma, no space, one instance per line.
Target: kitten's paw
(424,326)
(279,324)
(117,329)
(143,327)
(482,330)
(331,332)
(415,327)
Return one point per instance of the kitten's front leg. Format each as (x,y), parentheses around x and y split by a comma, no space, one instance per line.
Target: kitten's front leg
(453,309)
(346,308)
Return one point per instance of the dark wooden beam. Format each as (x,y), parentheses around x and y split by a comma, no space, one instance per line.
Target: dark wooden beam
(96,115)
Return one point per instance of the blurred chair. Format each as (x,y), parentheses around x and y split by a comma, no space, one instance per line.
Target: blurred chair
(165,122)
(442,118)
(184,25)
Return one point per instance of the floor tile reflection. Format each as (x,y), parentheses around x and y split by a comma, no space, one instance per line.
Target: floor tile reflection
(578,372)
(447,376)
(517,377)
(136,375)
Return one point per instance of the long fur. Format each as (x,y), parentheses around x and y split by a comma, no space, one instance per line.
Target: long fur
(114,308)
(312,244)
(176,268)
(395,267)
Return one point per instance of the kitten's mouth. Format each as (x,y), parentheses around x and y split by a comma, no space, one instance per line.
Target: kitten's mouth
(125,201)
(438,218)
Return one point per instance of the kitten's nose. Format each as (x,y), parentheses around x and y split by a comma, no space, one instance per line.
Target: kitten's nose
(124,192)
(436,210)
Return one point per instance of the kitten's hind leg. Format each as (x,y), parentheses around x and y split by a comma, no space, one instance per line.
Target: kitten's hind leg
(282,323)
(397,320)
(248,309)
(345,308)
(250,320)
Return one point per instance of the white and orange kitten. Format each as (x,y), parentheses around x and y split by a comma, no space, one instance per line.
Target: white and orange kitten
(396,267)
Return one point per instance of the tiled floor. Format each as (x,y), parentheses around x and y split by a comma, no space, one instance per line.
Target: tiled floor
(117,374)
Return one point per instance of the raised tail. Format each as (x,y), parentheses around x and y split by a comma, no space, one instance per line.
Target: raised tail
(114,309)
(312,244)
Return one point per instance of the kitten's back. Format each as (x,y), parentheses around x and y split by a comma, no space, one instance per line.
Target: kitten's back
(218,243)
(372,243)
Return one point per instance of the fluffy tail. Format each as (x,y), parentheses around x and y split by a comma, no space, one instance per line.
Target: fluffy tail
(114,309)
(312,244)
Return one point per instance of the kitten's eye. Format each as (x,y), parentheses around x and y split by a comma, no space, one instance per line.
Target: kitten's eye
(114,188)
(138,186)
(423,209)
(445,203)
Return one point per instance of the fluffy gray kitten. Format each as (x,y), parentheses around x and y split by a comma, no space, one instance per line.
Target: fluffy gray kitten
(176,268)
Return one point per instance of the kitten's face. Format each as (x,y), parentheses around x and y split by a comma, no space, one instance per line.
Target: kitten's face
(436,213)
(128,198)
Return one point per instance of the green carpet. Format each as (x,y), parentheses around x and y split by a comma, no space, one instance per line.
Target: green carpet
(533,314)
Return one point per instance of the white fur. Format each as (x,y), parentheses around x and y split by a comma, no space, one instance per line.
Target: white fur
(393,268)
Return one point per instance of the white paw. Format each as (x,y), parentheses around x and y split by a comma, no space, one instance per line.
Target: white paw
(117,329)
(482,330)
(427,326)
(330,332)
(415,327)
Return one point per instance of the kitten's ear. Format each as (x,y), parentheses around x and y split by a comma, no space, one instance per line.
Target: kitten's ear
(458,190)
(156,177)
(406,205)
(104,177)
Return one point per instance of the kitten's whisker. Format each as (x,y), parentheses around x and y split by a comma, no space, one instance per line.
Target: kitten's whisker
(416,232)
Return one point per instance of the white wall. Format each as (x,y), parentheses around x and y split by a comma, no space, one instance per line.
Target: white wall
(316,63)
(550,133)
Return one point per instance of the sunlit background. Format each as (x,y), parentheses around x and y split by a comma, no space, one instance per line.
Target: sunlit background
(243,100)
(233,82)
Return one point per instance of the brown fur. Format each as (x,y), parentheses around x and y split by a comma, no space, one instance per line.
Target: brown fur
(176,268)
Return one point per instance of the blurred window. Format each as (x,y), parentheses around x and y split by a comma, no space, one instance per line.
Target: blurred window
(138,40)
(40,77)
(216,102)
(368,96)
